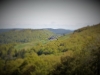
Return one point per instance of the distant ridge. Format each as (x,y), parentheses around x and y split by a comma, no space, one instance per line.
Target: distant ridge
(6,30)
(56,31)
(60,31)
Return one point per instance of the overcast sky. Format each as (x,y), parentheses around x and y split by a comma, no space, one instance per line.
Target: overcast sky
(67,14)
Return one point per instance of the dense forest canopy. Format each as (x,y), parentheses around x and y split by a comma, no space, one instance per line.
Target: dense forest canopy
(76,53)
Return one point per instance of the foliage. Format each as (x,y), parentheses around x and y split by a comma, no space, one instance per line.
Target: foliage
(25,35)
(72,54)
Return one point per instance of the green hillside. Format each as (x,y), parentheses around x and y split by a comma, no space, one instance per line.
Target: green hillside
(25,35)
(77,53)
(83,53)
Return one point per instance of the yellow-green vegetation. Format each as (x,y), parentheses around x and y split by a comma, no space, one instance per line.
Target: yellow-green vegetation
(25,35)
(77,53)
(84,60)
(29,45)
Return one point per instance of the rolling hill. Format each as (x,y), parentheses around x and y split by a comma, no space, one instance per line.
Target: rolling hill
(25,35)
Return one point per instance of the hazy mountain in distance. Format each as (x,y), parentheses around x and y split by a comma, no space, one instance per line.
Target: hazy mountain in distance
(6,30)
(56,31)
(60,31)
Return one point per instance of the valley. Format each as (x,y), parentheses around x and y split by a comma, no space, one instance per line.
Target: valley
(50,51)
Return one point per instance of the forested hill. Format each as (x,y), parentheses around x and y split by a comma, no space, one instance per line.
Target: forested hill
(25,35)
(83,53)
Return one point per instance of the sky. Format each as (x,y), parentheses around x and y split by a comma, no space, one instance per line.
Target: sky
(37,14)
